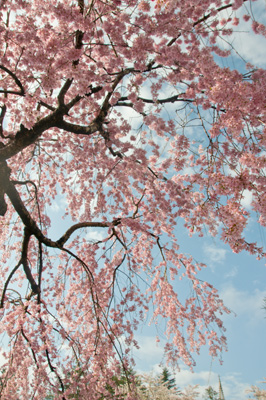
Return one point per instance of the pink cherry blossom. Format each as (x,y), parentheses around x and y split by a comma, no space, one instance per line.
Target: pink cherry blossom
(119,116)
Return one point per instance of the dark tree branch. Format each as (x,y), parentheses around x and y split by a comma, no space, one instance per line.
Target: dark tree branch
(63,91)
(80,225)
(17,81)
(7,282)
(172,99)
(32,351)
(29,222)
(96,124)
(24,260)
(76,99)
(11,92)
(106,136)
(5,174)
(53,369)
(81,6)
(40,271)
(26,183)
(2,116)
(25,137)
(25,216)
(78,129)
(42,103)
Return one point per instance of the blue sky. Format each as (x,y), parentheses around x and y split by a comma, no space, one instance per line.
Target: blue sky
(240,279)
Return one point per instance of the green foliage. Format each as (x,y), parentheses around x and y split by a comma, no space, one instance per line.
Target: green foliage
(121,382)
(167,379)
(211,394)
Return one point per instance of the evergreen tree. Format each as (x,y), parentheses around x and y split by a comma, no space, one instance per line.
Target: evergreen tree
(211,394)
(167,379)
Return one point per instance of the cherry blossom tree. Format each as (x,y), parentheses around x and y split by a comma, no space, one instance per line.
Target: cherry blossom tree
(120,115)
(149,387)
(155,387)
(257,393)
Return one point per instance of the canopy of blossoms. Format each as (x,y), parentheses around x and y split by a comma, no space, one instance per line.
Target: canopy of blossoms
(120,112)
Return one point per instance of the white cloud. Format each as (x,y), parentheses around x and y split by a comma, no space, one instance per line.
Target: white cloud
(2,358)
(246,43)
(249,46)
(232,273)
(233,386)
(214,254)
(185,377)
(150,351)
(94,235)
(244,303)
(246,199)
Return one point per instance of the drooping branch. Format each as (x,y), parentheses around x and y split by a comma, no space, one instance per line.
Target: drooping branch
(32,227)
(53,369)
(29,343)
(7,282)
(25,216)
(5,174)
(40,270)
(23,261)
